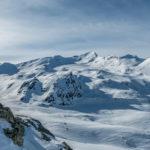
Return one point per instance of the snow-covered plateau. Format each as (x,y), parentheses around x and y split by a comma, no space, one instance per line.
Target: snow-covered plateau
(86,102)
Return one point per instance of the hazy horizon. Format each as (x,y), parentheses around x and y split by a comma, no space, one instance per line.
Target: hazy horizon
(40,28)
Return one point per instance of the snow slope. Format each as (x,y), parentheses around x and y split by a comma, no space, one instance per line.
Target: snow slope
(91,102)
(144,67)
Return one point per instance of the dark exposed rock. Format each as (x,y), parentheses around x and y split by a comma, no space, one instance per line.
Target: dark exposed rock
(50,99)
(65,89)
(29,87)
(10,85)
(6,113)
(18,126)
(66,146)
(16,132)
(46,134)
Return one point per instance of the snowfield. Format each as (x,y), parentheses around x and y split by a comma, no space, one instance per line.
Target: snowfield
(88,101)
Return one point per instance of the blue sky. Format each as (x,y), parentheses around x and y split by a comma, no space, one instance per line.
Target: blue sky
(38,28)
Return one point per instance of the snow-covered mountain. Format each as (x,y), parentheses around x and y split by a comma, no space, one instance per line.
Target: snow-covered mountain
(92,102)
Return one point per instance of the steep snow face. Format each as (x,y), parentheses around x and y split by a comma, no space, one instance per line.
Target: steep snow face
(144,68)
(7,68)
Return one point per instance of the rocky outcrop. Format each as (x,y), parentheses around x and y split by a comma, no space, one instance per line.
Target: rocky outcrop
(16,132)
(45,134)
(62,91)
(6,113)
(66,146)
(102,74)
(65,89)
(29,87)
(18,126)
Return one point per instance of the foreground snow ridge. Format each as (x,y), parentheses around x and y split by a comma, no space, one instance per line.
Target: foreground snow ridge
(88,101)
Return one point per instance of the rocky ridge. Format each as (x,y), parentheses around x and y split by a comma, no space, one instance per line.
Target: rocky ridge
(18,125)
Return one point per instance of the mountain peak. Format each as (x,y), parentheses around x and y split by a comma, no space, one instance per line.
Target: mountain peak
(88,57)
(92,53)
(129,56)
(7,68)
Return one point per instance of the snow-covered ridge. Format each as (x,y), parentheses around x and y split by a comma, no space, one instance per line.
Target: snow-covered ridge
(58,80)
(87,57)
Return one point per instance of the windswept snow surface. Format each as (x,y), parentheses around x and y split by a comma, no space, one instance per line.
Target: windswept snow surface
(112,110)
